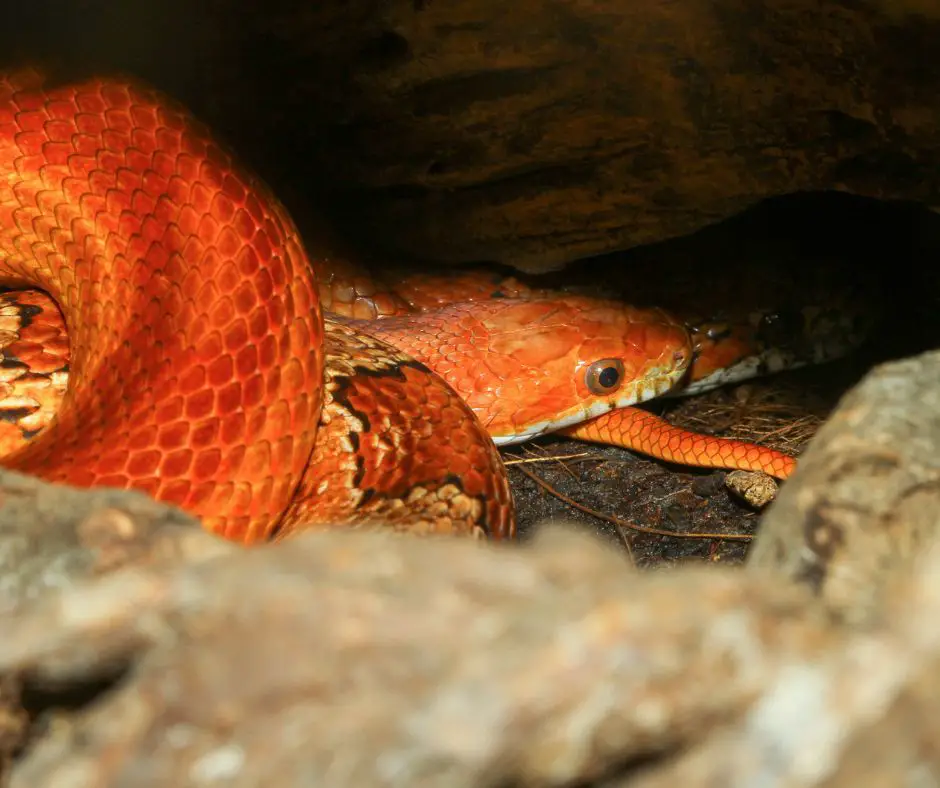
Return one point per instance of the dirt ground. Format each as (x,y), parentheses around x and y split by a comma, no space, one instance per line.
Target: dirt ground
(663,513)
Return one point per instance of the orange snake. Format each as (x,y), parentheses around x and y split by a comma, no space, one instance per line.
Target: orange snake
(209,368)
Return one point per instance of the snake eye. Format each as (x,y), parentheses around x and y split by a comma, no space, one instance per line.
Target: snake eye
(604,376)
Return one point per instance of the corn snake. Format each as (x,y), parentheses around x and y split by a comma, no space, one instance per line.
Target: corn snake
(203,358)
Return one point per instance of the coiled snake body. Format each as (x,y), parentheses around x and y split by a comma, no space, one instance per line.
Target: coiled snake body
(202,369)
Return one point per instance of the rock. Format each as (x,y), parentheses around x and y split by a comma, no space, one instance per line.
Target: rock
(538,132)
(52,537)
(863,502)
(757,489)
(365,658)
(370,659)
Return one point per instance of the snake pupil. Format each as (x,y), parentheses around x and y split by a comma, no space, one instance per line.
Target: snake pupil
(608,377)
(604,376)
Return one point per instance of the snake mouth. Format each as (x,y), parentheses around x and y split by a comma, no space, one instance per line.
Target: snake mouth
(657,381)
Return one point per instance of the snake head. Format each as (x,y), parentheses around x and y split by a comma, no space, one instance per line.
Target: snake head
(530,367)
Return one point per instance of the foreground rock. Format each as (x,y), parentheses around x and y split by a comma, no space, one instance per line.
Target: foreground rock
(367,659)
(865,503)
(370,659)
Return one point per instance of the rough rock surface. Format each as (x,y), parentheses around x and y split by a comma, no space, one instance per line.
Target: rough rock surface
(536,132)
(375,659)
(866,505)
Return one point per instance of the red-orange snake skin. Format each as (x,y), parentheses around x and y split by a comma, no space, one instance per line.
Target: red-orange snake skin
(202,370)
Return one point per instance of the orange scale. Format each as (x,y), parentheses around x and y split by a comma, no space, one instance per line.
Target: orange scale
(205,433)
(173,435)
(112,462)
(222,312)
(138,161)
(171,119)
(192,380)
(57,155)
(30,161)
(227,277)
(229,399)
(278,420)
(143,463)
(255,210)
(201,198)
(231,428)
(127,182)
(200,494)
(176,464)
(143,118)
(32,120)
(263,284)
(224,210)
(257,459)
(232,461)
(194,144)
(220,371)
(253,391)
(81,165)
(303,414)
(249,263)
(262,243)
(62,120)
(278,271)
(119,480)
(199,294)
(268,356)
(235,336)
(210,172)
(171,141)
(143,204)
(246,358)
(142,438)
(174,491)
(154,184)
(115,96)
(283,456)
(246,298)
(188,223)
(258,325)
(91,108)
(206,464)
(164,166)
(276,314)
(47,202)
(200,404)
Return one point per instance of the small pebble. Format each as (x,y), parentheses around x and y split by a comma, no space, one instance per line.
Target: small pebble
(755,488)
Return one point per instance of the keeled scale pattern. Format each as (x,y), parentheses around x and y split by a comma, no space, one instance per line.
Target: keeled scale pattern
(194,320)
(649,434)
